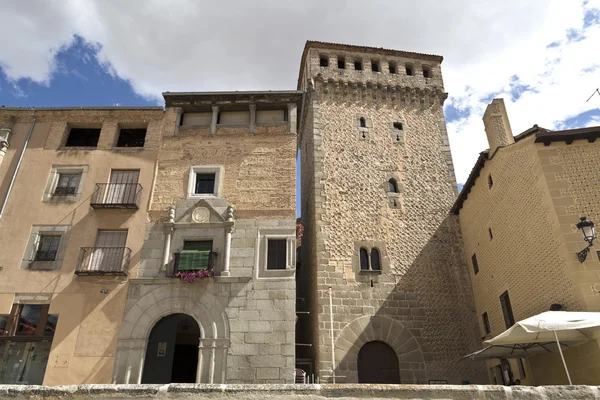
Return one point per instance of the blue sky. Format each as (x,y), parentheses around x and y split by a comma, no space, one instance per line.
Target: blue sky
(107,52)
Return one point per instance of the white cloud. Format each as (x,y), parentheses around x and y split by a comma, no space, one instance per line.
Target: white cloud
(186,45)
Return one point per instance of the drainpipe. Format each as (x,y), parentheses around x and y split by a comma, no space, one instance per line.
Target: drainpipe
(12,180)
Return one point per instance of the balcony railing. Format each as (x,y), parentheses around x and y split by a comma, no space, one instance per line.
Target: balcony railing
(103,261)
(116,195)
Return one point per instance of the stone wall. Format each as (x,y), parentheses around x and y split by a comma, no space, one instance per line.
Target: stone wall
(420,304)
(304,392)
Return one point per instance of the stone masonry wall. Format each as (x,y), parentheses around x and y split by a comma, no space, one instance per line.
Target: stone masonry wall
(420,304)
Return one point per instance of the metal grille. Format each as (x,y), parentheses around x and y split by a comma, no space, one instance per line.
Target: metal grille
(67,184)
(123,190)
(47,248)
(103,261)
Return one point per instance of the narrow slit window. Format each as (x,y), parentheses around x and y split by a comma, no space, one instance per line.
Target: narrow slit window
(363,122)
(375,66)
(358,65)
(341,63)
(475,263)
(409,70)
(392,68)
(324,61)
(490,233)
(375,265)
(364,259)
(490,181)
(83,137)
(392,186)
(486,323)
(509,318)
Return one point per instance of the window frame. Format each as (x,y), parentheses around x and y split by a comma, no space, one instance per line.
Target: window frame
(12,324)
(269,233)
(37,232)
(41,240)
(204,169)
(50,195)
(507,311)
(487,328)
(285,256)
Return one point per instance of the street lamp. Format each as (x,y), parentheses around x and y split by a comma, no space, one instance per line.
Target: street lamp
(587,229)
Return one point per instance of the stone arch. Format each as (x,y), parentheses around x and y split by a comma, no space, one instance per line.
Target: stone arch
(367,329)
(142,314)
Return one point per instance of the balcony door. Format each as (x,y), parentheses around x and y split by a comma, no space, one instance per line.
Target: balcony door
(108,251)
(123,187)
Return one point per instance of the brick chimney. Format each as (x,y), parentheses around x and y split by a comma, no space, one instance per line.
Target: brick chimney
(497,126)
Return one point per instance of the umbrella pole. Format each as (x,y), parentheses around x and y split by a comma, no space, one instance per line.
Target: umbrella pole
(530,369)
(563,358)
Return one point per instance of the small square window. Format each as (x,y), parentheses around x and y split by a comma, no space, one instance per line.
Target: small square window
(132,138)
(409,70)
(398,126)
(358,65)
(276,254)
(47,248)
(392,68)
(375,66)
(426,72)
(67,184)
(83,137)
(341,63)
(324,61)
(205,183)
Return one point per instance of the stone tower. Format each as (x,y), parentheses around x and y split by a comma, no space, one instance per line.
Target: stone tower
(377,186)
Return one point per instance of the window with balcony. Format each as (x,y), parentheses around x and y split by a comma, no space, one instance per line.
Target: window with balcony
(83,137)
(122,191)
(109,256)
(196,255)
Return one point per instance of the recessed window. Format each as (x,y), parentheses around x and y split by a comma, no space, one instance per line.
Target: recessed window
(47,248)
(205,183)
(276,254)
(490,233)
(392,67)
(324,61)
(490,181)
(409,70)
(375,264)
(486,323)
(196,255)
(426,72)
(131,138)
(374,66)
(392,186)
(475,264)
(364,259)
(83,137)
(398,126)
(67,184)
(509,318)
(341,63)
(358,65)
(362,122)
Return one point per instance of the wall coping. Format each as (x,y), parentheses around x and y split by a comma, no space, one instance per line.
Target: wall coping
(490,392)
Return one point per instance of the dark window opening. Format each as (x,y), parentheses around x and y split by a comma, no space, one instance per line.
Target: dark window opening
(398,125)
(475,264)
(47,248)
(4,318)
(392,186)
(392,68)
(132,138)
(205,184)
(409,70)
(358,65)
(276,253)
(364,259)
(375,266)
(374,66)
(490,181)
(341,63)
(363,122)
(486,323)
(426,72)
(509,318)
(218,117)
(67,184)
(285,115)
(364,136)
(323,61)
(490,232)
(83,137)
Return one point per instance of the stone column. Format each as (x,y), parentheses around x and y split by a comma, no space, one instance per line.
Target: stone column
(129,364)
(227,252)
(292,117)
(213,123)
(5,132)
(168,235)
(252,118)
(205,370)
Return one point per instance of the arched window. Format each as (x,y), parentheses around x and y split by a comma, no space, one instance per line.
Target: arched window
(364,259)
(392,186)
(375,266)
(363,122)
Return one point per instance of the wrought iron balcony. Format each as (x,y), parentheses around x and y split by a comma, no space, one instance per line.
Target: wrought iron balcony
(116,195)
(103,261)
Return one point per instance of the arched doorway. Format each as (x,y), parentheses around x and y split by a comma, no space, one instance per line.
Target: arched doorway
(378,363)
(172,351)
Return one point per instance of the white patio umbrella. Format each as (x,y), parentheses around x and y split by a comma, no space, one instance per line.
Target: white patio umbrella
(552,326)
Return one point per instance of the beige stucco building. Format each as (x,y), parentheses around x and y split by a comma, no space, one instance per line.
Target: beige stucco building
(75,184)
(518,211)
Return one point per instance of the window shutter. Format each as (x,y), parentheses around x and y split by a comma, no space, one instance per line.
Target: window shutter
(193,260)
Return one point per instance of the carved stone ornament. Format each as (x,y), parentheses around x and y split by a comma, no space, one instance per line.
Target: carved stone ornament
(201,215)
